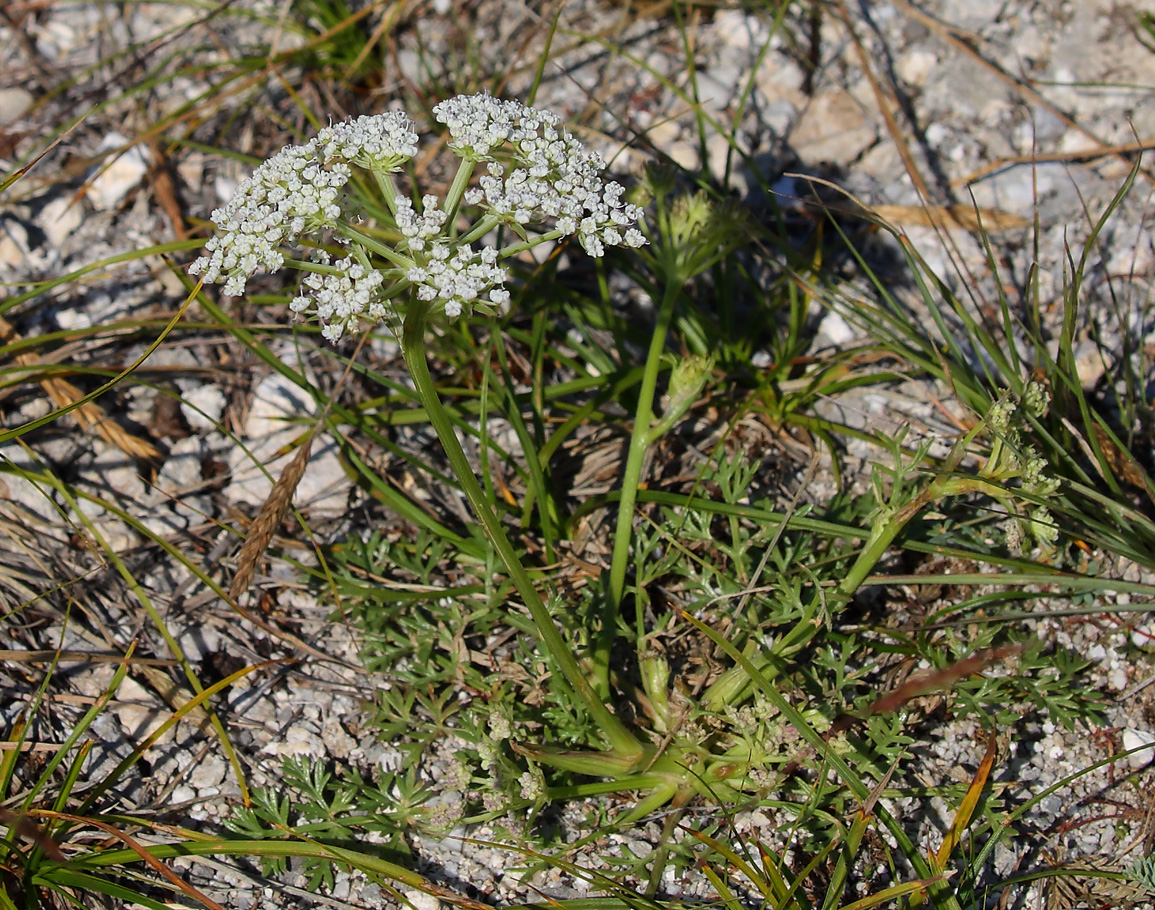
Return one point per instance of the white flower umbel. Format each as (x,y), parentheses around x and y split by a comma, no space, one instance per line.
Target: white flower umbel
(546,181)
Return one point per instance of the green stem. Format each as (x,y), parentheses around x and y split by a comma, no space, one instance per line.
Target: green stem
(457,189)
(622,742)
(640,443)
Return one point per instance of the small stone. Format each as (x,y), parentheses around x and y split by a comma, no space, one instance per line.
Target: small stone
(718,87)
(421,900)
(203,406)
(664,134)
(59,218)
(739,30)
(684,154)
(1136,739)
(182,469)
(916,66)
(1089,365)
(14,245)
(117,178)
(207,773)
(139,713)
(832,128)
(839,332)
(20,498)
(14,103)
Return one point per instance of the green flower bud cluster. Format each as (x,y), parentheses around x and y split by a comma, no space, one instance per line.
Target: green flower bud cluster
(1014,459)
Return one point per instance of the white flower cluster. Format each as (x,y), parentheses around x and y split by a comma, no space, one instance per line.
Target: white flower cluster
(459,280)
(298,192)
(349,292)
(288,196)
(553,177)
(381,142)
(550,180)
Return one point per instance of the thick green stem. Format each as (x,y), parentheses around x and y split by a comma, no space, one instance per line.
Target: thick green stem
(640,443)
(623,743)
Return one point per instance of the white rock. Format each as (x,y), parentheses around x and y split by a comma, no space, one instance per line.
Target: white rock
(832,128)
(421,900)
(94,681)
(739,30)
(13,103)
(59,218)
(1136,739)
(163,523)
(718,87)
(779,116)
(21,498)
(914,68)
(114,534)
(299,740)
(207,773)
(117,178)
(1089,365)
(14,246)
(664,134)
(203,406)
(182,469)
(182,794)
(718,152)
(199,641)
(1143,635)
(684,154)
(1016,189)
(139,712)
(838,330)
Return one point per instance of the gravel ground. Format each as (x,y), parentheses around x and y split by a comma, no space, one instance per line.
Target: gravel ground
(984,88)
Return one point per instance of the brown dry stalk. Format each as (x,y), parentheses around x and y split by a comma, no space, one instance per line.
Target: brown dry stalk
(271,515)
(46,656)
(962,216)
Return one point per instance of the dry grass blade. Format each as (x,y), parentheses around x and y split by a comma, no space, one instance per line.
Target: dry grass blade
(960,216)
(970,802)
(270,517)
(935,680)
(1126,148)
(79,657)
(89,416)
